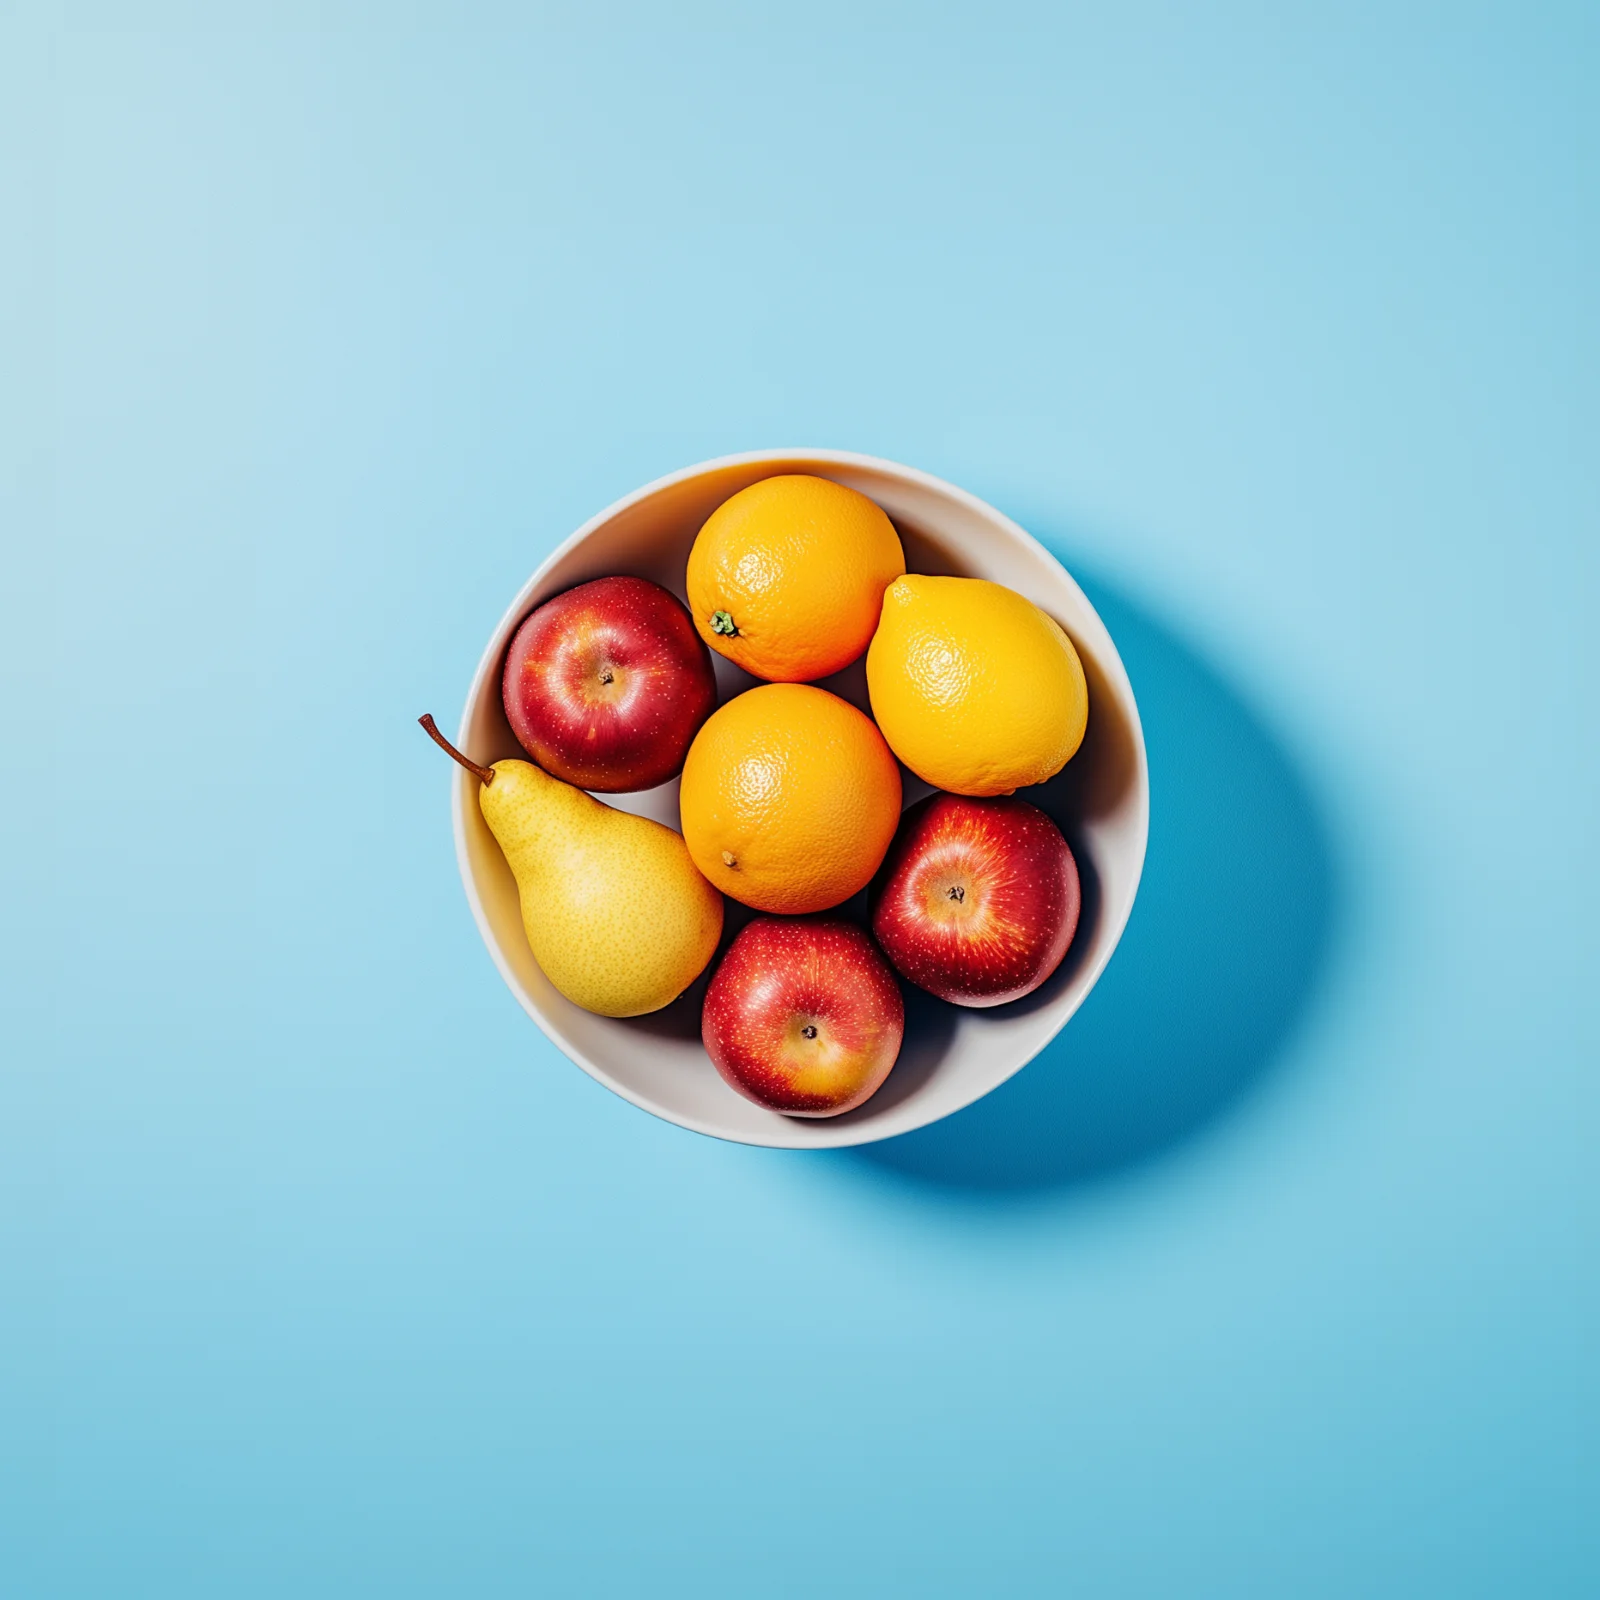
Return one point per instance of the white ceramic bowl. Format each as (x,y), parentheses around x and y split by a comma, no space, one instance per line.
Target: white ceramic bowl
(952,1055)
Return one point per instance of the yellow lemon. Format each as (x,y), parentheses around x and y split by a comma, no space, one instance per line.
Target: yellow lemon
(786,577)
(975,688)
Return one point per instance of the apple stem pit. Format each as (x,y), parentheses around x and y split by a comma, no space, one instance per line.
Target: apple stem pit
(431,728)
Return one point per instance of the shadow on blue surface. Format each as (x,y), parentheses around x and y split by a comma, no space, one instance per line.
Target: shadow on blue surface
(1232,927)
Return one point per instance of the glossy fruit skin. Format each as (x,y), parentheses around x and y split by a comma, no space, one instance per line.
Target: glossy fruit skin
(797,565)
(615,912)
(781,977)
(976,689)
(606,685)
(978,899)
(789,798)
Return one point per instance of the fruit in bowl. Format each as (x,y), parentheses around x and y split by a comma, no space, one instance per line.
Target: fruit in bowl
(978,899)
(786,578)
(803,1016)
(613,908)
(789,798)
(606,685)
(803,794)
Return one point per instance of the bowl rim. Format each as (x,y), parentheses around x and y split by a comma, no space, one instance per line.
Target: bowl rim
(854,1133)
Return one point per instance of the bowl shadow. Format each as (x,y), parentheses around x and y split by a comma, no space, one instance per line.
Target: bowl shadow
(1229,937)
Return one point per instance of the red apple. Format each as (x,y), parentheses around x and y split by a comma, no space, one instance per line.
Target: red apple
(977,900)
(803,1016)
(606,685)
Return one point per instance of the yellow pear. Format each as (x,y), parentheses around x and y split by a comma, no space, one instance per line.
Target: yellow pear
(616,913)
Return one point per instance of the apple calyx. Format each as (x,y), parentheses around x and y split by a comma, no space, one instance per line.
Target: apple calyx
(946,901)
(722,622)
(484,775)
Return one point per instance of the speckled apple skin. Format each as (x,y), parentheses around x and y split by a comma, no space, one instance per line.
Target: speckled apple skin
(977,900)
(783,975)
(606,686)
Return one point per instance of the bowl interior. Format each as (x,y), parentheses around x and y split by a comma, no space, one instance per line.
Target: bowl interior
(951,1055)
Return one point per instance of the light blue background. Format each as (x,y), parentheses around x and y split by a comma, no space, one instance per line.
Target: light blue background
(324,1275)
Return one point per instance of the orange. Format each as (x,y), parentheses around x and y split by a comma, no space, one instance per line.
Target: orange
(789,798)
(786,578)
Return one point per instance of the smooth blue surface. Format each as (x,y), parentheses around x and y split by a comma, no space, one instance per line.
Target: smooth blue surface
(323,1275)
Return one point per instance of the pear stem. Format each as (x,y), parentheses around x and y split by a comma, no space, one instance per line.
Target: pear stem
(431,728)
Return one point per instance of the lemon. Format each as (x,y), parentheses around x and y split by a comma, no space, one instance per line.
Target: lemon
(975,688)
